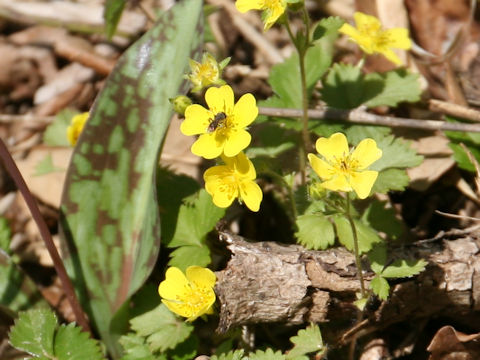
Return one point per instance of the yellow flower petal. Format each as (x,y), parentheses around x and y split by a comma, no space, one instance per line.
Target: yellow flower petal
(224,199)
(196,120)
(244,166)
(251,194)
(349,30)
(208,146)
(364,21)
(398,38)
(236,142)
(76,127)
(335,147)
(366,153)
(390,55)
(245,5)
(220,99)
(174,283)
(362,182)
(201,276)
(245,110)
(322,168)
(337,183)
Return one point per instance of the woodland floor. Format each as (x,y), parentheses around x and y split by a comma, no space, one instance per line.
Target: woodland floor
(47,68)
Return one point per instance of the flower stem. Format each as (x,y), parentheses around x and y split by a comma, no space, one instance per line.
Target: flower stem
(355,248)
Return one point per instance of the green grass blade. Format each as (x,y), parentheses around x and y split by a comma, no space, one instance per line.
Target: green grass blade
(110,216)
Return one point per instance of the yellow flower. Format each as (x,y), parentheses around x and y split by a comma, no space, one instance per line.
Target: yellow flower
(372,39)
(233,180)
(76,127)
(222,126)
(345,171)
(272,9)
(189,296)
(206,73)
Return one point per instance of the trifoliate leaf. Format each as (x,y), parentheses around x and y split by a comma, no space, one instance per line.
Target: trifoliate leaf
(391,179)
(162,328)
(367,237)
(135,348)
(346,87)
(266,355)
(56,132)
(231,355)
(315,231)
(197,217)
(186,256)
(380,287)
(306,341)
(34,332)
(383,219)
(71,343)
(46,166)
(5,235)
(404,268)
(398,86)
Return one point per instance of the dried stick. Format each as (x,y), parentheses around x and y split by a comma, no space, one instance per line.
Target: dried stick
(45,234)
(360,116)
(455,110)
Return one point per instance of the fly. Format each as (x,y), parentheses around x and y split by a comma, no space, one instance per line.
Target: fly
(216,122)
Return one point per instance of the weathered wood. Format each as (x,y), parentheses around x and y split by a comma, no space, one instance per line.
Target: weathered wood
(267,282)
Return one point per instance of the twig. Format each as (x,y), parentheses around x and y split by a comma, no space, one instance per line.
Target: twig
(8,119)
(45,234)
(455,110)
(455,216)
(359,116)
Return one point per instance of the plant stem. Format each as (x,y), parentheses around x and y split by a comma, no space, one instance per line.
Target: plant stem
(355,248)
(12,169)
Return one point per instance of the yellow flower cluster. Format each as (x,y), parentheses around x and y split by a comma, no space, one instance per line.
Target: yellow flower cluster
(272,9)
(206,73)
(222,132)
(190,296)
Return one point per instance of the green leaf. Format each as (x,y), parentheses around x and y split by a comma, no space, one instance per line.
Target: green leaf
(367,237)
(378,258)
(71,343)
(391,179)
(404,268)
(380,287)
(396,153)
(190,255)
(135,348)
(266,355)
(197,217)
(162,329)
(346,87)
(56,132)
(315,231)
(461,157)
(383,218)
(111,223)
(306,341)
(184,351)
(398,86)
(112,14)
(231,355)
(34,332)
(5,235)
(46,166)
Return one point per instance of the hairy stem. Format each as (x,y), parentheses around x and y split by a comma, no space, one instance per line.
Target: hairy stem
(12,169)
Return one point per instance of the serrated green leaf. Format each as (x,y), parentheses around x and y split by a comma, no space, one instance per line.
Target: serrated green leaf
(404,268)
(34,332)
(306,341)
(46,166)
(184,351)
(378,258)
(391,180)
(71,343)
(328,27)
(356,133)
(112,14)
(268,354)
(56,133)
(135,348)
(110,216)
(315,231)
(162,329)
(346,87)
(367,237)
(186,256)
(231,355)
(396,153)
(197,217)
(380,287)
(461,157)
(398,86)
(383,218)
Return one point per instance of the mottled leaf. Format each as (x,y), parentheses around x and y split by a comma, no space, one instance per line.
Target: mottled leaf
(111,219)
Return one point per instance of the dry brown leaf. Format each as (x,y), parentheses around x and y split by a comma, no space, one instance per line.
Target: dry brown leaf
(449,344)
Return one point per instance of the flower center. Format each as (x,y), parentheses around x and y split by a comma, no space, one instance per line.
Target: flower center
(272,4)
(345,165)
(193,299)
